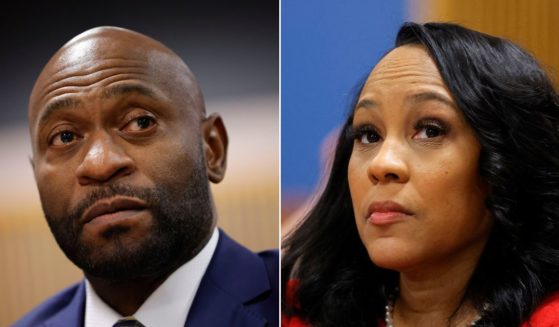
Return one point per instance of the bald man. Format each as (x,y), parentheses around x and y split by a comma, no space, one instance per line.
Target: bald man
(122,154)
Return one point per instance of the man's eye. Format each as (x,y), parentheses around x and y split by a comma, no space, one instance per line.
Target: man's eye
(144,122)
(139,124)
(63,138)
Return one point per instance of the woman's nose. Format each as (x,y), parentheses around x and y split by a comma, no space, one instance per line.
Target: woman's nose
(389,163)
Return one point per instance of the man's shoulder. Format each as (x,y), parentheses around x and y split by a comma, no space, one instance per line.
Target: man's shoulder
(271,260)
(54,306)
(248,274)
(270,256)
(241,285)
(242,258)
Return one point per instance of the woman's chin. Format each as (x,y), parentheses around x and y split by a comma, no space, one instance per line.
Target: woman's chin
(392,254)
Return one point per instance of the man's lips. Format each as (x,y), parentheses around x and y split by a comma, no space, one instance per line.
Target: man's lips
(387,212)
(111,205)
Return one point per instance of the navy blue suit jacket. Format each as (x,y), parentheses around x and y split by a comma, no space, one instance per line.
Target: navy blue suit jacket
(240,288)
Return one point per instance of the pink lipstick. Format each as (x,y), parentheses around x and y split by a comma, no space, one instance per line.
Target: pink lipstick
(387,212)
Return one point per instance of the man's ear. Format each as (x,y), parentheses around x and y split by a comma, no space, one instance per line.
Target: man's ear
(214,137)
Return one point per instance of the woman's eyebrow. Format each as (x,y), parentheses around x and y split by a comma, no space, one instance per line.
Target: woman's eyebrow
(366,104)
(413,99)
(426,96)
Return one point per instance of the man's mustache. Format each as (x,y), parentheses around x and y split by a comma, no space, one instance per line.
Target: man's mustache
(146,195)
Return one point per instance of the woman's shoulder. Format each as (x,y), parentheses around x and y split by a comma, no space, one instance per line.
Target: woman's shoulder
(291,302)
(293,321)
(546,314)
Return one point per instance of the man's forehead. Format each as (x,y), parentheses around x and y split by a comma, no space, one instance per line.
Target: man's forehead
(91,51)
(105,43)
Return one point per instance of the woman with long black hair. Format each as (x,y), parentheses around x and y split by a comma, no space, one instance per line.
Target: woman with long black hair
(442,205)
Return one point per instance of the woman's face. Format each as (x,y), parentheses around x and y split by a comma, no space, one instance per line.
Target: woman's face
(413,173)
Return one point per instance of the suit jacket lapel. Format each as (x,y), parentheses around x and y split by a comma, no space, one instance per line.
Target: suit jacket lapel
(234,277)
(72,313)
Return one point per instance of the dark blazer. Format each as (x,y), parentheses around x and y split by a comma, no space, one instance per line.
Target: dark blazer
(240,288)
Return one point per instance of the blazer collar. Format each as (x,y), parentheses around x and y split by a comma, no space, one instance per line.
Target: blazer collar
(72,312)
(234,277)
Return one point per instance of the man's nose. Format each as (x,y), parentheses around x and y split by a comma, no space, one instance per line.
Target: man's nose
(389,163)
(104,161)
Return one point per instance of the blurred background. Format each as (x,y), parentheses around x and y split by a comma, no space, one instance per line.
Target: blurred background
(329,47)
(232,47)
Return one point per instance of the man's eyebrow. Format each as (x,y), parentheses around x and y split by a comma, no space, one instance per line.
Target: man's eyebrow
(59,104)
(119,89)
(122,89)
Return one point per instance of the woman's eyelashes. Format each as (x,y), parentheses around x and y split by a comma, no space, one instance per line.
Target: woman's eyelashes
(365,134)
(427,128)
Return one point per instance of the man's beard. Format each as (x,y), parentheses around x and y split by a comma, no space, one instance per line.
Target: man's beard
(182,221)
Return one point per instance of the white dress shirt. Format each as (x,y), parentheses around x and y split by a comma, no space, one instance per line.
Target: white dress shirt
(168,305)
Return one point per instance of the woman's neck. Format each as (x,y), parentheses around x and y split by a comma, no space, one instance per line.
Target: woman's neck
(434,295)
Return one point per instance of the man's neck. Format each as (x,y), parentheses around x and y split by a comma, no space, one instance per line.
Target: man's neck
(126,297)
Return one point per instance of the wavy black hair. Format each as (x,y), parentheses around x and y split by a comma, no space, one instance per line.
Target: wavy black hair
(511,104)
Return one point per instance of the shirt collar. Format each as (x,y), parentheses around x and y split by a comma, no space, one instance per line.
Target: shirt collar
(168,305)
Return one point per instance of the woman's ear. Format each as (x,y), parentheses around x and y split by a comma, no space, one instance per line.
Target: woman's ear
(214,137)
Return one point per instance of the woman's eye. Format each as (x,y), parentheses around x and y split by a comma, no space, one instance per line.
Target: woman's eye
(63,138)
(139,124)
(365,134)
(369,137)
(429,130)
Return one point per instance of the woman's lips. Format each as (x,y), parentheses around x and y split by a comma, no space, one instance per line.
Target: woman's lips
(387,212)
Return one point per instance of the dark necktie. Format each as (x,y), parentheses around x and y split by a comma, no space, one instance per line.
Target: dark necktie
(128,322)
